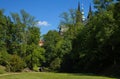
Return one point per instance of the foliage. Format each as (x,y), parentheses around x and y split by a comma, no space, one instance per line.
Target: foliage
(2,69)
(36,68)
(19,38)
(102,5)
(95,47)
(55,64)
(4,58)
(35,56)
(92,46)
(51,39)
(68,17)
(56,47)
(63,47)
(16,63)
(116,13)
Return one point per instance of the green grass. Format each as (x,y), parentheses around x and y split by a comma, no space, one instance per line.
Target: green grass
(48,75)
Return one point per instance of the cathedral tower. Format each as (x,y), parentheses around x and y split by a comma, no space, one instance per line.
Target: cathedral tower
(90,12)
(83,17)
(78,14)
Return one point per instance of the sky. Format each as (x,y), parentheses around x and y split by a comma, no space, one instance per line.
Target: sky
(47,12)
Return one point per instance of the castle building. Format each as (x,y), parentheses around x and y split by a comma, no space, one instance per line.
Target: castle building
(80,18)
(41,43)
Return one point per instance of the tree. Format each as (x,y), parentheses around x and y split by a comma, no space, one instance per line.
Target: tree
(19,38)
(116,13)
(68,17)
(35,56)
(33,35)
(56,64)
(102,5)
(16,63)
(3,29)
(4,58)
(51,39)
(56,48)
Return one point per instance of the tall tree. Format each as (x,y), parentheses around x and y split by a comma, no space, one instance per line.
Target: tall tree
(102,5)
(51,39)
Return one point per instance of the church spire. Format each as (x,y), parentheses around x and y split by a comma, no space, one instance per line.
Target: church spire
(78,6)
(90,8)
(78,14)
(90,12)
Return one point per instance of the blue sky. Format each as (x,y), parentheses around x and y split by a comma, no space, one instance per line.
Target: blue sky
(46,11)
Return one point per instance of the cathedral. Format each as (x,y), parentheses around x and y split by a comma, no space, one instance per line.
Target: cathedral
(80,11)
(80,18)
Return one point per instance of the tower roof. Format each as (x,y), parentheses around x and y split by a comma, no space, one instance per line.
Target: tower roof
(90,8)
(90,12)
(78,6)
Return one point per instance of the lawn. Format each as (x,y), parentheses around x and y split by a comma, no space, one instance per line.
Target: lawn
(48,75)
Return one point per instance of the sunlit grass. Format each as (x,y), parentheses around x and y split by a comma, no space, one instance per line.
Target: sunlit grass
(48,75)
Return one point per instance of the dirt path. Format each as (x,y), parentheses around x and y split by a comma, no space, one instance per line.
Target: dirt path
(8,74)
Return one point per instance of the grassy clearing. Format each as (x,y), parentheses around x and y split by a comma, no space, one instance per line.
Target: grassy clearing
(46,75)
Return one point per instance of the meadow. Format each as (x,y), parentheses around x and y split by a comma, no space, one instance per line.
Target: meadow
(49,75)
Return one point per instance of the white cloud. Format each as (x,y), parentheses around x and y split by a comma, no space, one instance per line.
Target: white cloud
(43,23)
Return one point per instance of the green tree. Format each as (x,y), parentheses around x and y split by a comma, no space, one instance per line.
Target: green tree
(3,29)
(102,5)
(51,39)
(90,49)
(35,56)
(16,63)
(56,48)
(19,37)
(116,13)
(55,64)
(4,58)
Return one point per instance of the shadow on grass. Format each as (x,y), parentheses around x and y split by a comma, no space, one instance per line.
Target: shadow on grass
(92,74)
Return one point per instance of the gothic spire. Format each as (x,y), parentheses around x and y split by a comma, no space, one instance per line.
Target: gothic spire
(90,8)
(78,14)
(78,6)
(90,12)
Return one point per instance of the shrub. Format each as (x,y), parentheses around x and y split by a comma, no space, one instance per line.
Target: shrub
(36,68)
(55,64)
(46,69)
(4,58)
(16,63)
(2,69)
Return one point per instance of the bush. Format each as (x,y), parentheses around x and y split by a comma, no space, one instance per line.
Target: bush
(55,64)
(16,63)
(4,58)
(36,68)
(46,69)
(2,69)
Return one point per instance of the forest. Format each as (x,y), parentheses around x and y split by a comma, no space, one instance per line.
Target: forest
(92,46)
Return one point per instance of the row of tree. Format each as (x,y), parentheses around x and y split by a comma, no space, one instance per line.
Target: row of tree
(19,37)
(92,46)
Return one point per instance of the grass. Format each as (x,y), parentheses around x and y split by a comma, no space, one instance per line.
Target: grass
(48,75)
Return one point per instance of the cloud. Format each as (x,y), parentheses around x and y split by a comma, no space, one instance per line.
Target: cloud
(43,23)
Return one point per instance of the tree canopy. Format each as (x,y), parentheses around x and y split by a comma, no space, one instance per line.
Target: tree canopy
(90,46)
